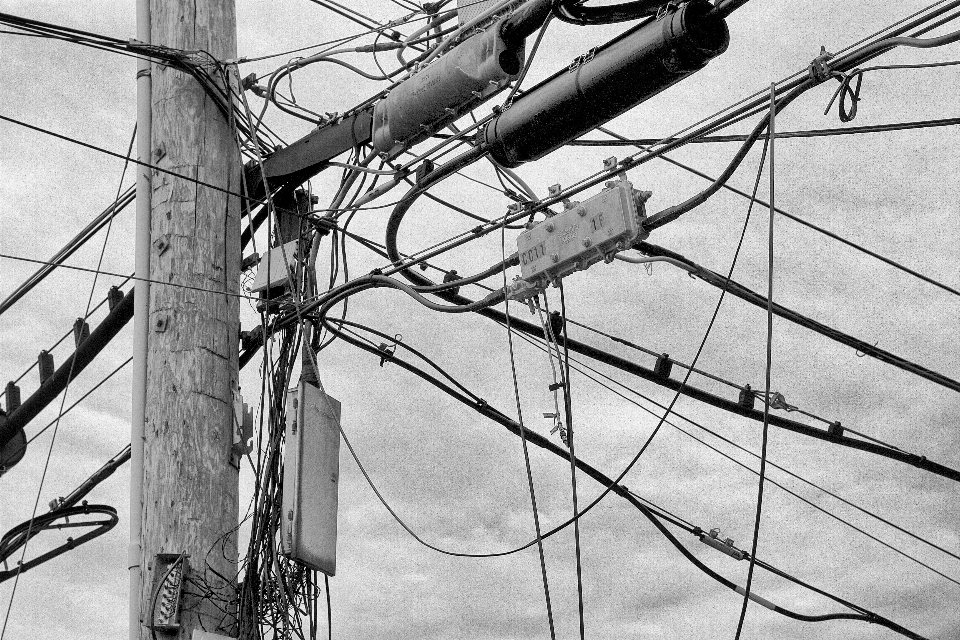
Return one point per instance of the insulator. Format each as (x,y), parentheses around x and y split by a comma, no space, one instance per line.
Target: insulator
(13,397)
(664,366)
(45,365)
(81,331)
(747,399)
(114,297)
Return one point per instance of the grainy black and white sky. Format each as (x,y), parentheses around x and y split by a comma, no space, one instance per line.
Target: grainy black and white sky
(458,480)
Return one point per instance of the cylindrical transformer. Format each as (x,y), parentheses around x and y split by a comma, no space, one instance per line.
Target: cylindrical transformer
(605,82)
(442,92)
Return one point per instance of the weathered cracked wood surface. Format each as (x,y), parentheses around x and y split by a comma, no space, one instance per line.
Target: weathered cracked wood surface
(190,489)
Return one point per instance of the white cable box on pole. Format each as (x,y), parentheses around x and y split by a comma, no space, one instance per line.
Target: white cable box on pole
(311,475)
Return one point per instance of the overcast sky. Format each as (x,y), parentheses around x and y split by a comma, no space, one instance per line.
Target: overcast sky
(458,480)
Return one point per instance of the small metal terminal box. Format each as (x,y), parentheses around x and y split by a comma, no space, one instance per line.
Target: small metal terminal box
(273,272)
(311,476)
(170,571)
(583,234)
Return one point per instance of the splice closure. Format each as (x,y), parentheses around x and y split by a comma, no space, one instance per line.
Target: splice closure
(606,82)
(712,539)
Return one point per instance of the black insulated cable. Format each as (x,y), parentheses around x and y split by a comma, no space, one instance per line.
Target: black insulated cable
(599,377)
(403,268)
(578,13)
(642,144)
(393,252)
(758,300)
(485,409)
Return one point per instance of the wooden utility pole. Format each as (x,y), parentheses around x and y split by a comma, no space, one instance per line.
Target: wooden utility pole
(189,486)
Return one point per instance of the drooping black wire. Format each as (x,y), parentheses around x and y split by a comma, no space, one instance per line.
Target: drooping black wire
(769,363)
(576,12)
(378,249)
(120,275)
(586,371)
(568,412)
(526,453)
(63,400)
(797,318)
(373,247)
(809,133)
(485,409)
(798,219)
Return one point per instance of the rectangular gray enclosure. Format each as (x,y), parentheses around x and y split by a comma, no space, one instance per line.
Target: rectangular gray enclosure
(311,476)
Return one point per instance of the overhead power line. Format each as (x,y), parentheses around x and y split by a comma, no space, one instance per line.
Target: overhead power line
(732,406)
(595,374)
(68,250)
(129,277)
(806,223)
(768,367)
(758,300)
(613,485)
(809,133)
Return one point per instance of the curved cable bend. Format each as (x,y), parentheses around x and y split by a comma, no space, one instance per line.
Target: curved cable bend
(904,41)
(396,217)
(862,615)
(378,281)
(672,213)
(488,411)
(575,13)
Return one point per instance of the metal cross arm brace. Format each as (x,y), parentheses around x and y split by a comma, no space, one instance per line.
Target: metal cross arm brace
(308,156)
(106,331)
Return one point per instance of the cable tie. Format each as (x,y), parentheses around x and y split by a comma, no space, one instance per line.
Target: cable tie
(778,401)
(555,386)
(481,403)
(387,352)
(819,69)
